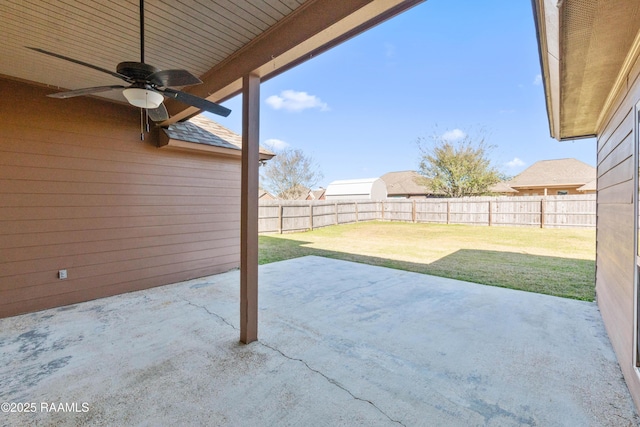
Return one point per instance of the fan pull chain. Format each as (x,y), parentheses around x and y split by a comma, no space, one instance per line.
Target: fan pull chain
(142,124)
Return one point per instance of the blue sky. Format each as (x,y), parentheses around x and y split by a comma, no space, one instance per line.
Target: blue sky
(443,65)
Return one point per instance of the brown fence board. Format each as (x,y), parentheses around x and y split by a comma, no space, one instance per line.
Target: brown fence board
(571,211)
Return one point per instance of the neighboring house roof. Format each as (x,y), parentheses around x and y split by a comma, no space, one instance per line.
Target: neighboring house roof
(502,187)
(406,183)
(202,130)
(554,173)
(265,195)
(316,194)
(589,186)
(300,191)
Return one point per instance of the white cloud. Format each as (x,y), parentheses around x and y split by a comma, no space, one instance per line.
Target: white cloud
(453,135)
(515,163)
(291,100)
(275,144)
(537,80)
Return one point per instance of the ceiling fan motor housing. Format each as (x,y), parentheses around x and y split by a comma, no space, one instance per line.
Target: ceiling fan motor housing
(138,71)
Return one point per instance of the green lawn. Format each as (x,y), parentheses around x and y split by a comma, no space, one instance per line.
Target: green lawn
(550,261)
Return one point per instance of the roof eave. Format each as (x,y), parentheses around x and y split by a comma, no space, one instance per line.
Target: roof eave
(554,185)
(167,143)
(546,17)
(586,53)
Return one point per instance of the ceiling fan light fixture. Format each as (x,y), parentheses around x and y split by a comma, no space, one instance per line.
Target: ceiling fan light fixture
(143,98)
(145,83)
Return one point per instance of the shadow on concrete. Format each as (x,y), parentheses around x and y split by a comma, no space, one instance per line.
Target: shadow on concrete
(563,277)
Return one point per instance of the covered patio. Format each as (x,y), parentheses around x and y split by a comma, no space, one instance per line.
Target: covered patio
(341,344)
(213,51)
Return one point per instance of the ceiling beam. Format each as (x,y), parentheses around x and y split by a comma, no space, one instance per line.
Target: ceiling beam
(310,30)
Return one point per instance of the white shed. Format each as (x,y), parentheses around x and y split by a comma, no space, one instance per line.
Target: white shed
(354,189)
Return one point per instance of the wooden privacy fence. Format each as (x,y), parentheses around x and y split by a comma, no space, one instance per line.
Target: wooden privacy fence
(281,216)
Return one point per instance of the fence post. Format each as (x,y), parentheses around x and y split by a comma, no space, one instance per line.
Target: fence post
(511,210)
(413,211)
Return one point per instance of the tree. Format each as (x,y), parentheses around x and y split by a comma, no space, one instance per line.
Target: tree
(457,164)
(290,174)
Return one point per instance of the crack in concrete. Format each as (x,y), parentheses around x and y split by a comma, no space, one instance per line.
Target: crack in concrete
(368,285)
(210,312)
(326,377)
(628,421)
(332,381)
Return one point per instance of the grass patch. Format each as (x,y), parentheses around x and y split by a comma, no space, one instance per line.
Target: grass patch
(558,262)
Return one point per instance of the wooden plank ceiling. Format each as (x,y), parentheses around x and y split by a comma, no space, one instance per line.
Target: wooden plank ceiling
(207,38)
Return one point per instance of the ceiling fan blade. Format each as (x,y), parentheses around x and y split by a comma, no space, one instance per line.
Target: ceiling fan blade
(196,101)
(168,78)
(158,114)
(85,91)
(75,61)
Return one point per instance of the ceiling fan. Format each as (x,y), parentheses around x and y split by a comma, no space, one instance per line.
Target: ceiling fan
(148,85)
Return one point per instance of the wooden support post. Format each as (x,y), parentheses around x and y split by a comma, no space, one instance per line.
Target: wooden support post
(382,211)
(336,206)
(448,211)
(356,211)
(249,209)
(542,209)
(280,215)
(490,213)
(311,216)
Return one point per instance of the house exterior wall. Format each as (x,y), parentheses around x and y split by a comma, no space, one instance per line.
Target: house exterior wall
(551,191)
(616,254)
(79,191)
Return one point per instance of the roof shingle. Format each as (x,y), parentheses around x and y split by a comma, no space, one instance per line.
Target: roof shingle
(406,183)
(202,130)
(547,173)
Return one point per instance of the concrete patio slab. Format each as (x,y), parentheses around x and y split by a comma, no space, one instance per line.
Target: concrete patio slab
(340,344)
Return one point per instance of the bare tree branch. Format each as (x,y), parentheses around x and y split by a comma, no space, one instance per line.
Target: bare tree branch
(290,174)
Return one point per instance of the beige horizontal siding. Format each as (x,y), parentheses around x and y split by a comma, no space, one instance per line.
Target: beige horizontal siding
(616,254)
(79,191)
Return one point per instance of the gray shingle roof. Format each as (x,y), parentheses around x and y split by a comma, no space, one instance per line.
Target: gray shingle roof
(502,187)
(589,186)
(405,183)
(202,130)
(555,173)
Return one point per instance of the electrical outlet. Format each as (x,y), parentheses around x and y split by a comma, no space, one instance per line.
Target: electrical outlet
(62,274)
